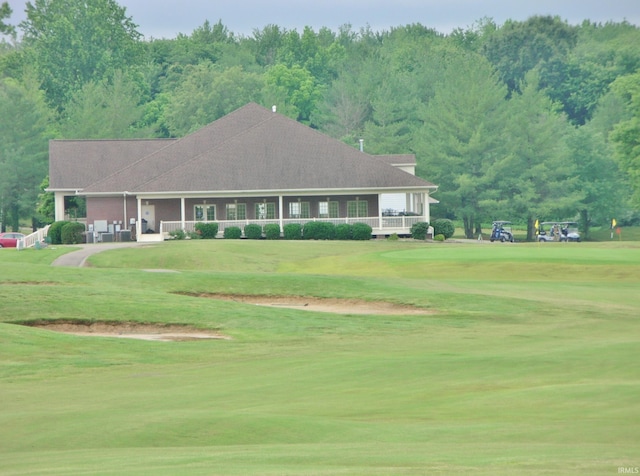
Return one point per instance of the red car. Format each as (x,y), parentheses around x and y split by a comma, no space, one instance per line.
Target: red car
(10,239)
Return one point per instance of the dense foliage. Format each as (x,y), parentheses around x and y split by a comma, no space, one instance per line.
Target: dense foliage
(208,231)
(72,233)
(534,119)
(419,230)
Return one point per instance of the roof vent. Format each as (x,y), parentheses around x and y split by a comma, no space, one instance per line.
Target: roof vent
(273,108)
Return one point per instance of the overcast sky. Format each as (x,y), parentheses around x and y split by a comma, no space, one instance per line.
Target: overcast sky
(166,18)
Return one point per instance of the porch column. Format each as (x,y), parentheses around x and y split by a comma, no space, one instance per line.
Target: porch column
(139,219)
(280,212)
(124,209)
(182,213)
(379,211)
(425,206)
(59,206)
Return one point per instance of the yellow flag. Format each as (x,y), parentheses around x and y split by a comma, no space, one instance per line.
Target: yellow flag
(537,224)
(613,223)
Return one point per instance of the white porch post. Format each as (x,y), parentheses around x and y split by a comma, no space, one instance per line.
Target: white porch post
(59,206)
(182,213)
(124,210)
(280,212)
(426,208)
(380,211)
(139,220)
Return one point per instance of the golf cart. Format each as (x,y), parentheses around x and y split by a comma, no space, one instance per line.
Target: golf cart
(501,232)
(558,231)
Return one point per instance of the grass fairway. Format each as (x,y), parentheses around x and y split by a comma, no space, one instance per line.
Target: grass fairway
(525,361)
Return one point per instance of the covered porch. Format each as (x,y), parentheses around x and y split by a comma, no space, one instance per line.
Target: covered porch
(158,217)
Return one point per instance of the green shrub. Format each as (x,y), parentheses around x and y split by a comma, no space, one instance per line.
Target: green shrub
(393,237)
(253,231)
(72,233)
(178,234)
(443,226)
(361,231)
(327,231)
(419,230)
(55,232)
(343,232)
(232,233)
(319,230)
(272,231)
(439,238)
(292,231)
(208,231)
(311,230)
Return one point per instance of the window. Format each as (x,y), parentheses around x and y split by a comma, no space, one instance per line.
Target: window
(265,211)
(357,208)
(236,211)
(299,210)
(328,210)
(204,212)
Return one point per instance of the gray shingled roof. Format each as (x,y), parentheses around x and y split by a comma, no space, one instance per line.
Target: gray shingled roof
(74,164)
(251,149)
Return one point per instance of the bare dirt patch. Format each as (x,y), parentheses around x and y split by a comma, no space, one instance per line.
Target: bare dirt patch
(337,306)
(128,330)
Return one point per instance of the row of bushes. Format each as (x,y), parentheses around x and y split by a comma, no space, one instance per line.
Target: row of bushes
(293,231)
(66,233)
(443,229)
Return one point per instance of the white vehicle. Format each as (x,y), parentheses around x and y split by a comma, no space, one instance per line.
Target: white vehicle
(558,231)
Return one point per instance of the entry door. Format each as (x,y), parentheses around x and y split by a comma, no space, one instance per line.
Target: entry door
(149,214)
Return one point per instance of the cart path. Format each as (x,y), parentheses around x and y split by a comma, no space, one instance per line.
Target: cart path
(78,259)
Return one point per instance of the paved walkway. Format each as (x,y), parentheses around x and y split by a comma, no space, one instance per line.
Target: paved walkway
(78,258)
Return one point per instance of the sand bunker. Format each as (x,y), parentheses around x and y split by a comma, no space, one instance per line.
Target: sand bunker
(160,332)
(128,330)
(337,306)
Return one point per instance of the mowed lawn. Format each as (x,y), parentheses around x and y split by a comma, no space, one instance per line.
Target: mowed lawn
(525,361)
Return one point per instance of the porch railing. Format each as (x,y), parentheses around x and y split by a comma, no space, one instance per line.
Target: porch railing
(35,237)
(379,225)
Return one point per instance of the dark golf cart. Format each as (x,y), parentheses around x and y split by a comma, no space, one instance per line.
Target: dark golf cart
(558,231)
(500,232)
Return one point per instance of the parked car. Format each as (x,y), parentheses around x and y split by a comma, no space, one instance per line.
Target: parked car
(501,232)
(10,239)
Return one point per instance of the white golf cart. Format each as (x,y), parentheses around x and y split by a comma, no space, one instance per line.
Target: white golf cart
(558,231)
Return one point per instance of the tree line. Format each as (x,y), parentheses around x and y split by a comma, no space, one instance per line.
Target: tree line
(534,119)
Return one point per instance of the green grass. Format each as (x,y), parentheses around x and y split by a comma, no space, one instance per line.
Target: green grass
(526,363)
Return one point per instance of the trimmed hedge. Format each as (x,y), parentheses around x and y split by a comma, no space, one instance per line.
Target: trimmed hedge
(72,233)
(343,232)
(319,230)
(208,231)
(443,226)
(292,231)
(55,232)
(419,230)
(361,231)
(253,231)
(272,231)
(232,233)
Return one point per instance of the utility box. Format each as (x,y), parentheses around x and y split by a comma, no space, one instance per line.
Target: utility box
(107,237)
(125,235)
